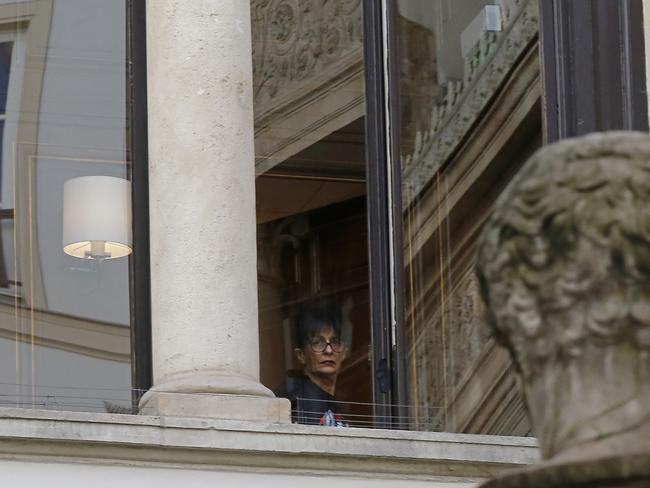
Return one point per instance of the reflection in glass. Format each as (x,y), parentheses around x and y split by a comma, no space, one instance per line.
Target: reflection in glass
(455,58)
(6,48)
(64,321)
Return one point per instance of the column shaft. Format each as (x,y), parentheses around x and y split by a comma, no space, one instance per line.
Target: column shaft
(202,201)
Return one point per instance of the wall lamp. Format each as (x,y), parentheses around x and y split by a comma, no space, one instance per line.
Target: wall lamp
(97,217)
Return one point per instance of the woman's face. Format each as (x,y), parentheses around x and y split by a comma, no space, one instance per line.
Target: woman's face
(324,353)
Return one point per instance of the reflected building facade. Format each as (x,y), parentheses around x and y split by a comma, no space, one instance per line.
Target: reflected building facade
(65,327)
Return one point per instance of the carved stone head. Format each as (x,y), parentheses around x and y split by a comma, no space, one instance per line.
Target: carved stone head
(564,269)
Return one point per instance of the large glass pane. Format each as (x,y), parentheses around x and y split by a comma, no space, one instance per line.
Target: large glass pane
(469,115)
(6,49)
(312,237)
(64,315)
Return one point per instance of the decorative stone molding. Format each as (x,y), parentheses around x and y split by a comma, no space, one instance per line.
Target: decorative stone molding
(564,267)
(308,77)
(308,73)
(486,67)
(458,387)
(466,318)
(296,42)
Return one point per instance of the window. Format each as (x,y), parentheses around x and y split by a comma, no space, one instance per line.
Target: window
(10,82)
(467,74)
(372,208)
(311,200)
(594,70)
(65,105)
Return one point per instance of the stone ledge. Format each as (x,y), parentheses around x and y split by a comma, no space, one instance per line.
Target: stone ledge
(615,471)
(212,444)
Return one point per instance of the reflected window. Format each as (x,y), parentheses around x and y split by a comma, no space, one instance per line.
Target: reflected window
(65,335)
(7,285)
(469,116)
(6,49)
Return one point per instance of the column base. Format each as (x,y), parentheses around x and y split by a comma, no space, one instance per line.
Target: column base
(216,395)
(216,406)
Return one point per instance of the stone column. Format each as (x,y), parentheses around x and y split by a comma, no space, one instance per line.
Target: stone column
(202,198)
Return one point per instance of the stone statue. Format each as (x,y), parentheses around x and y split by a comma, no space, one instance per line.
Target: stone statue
(564,270)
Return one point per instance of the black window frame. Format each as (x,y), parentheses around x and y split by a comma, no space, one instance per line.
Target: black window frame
(385,242)
(593,65)
(137,144)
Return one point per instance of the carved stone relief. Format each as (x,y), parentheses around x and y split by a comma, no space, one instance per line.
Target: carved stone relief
(484,398)
(419,87)
(470,335)
(456,369)
(308,61)
(486,67)
(307,71)
(295,40)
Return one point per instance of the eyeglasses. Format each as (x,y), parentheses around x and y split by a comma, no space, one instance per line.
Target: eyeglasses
(319,344)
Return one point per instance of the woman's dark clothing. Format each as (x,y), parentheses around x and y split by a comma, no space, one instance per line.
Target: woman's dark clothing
(309,403)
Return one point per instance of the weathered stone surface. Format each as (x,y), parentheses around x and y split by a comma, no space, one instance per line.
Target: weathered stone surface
(564,269)
(225,406)
(325,453)
(203,267)
(632,471)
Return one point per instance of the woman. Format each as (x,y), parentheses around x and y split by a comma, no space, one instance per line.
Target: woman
(321,351)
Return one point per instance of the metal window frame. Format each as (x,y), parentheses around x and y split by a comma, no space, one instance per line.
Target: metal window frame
(593,63)
(141,349)
(384,214)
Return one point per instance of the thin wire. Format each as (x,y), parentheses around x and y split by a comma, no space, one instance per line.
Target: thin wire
(30,196)
(61,406)
(81,387)
(15,253)
(346,415)
(340,402)
(314,415)
(111,404)
(414,366)
(75,397)
(443,321)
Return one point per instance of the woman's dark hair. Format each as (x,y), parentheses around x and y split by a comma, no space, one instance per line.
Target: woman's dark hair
(311,317)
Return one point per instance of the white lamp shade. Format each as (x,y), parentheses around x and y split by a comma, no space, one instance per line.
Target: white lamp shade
(97,210)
